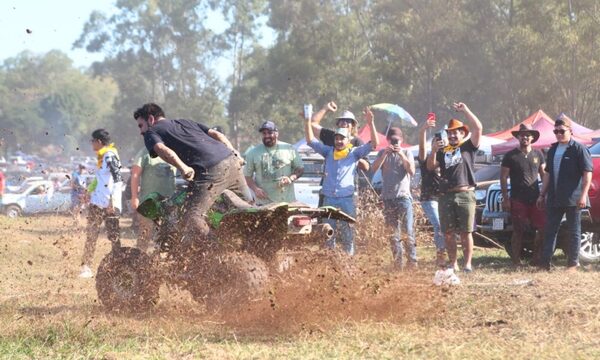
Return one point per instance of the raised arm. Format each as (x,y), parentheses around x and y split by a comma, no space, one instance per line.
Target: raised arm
(474,123)
(429,124)
(370,121)
(315,121)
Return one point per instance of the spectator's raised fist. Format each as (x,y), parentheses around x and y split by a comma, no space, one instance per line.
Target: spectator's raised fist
(459,106)
(332,106)
(368,114)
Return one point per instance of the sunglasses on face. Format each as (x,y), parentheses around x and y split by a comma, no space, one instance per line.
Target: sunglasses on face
(559,131)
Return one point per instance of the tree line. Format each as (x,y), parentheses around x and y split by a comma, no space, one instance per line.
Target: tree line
(504,58)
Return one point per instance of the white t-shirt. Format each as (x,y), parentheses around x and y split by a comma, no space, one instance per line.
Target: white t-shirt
(109,183)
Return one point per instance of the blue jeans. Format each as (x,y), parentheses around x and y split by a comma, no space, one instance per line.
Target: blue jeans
(430,208)
(398,214)
(554,216)
(346,233)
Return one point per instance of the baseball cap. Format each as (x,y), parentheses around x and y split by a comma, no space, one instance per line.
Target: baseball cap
(268,125)
(343,131)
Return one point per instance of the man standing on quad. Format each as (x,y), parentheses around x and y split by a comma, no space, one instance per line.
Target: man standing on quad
(204,157)
(275,165)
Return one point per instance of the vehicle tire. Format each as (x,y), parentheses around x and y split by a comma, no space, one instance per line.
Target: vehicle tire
(233,279)
(127,280)
(589,252)
(12,211)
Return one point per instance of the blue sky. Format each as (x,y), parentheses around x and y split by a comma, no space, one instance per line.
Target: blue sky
(56,24)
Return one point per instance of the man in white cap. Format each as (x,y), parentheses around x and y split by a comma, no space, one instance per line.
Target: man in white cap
(272,167)
(340,167)
(523,164)
(346,120)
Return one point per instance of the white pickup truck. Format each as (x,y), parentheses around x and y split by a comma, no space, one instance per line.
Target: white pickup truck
(36,197)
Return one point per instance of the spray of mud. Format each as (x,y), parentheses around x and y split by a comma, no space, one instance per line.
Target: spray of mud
(312,290)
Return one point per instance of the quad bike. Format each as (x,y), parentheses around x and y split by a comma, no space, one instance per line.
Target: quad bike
(230,267)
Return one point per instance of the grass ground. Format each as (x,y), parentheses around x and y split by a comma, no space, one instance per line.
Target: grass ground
(497,312)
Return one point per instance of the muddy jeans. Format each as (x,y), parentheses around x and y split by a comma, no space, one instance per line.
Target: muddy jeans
(205,189)
(96,215)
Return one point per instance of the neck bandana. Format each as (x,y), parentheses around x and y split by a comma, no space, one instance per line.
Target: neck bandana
(340,154)
(101,152)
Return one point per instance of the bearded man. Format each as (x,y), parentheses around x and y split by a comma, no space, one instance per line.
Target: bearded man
(272,167)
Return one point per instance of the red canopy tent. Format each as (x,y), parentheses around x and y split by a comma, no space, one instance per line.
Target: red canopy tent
(365,135)
(546,139)
(538,116)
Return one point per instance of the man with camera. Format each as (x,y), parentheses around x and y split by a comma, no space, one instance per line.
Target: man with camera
(397,167)
(430,188)
(457,203)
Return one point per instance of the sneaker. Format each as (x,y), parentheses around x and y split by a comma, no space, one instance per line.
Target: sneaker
(467,270)
(86,272)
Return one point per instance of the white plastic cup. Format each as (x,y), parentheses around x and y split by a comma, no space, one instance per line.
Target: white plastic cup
(308,111)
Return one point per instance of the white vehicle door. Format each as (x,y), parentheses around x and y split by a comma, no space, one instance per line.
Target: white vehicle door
(37,199)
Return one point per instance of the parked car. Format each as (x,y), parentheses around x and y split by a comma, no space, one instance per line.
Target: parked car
(497,223)
(36,197)
(308,186)
(16,180)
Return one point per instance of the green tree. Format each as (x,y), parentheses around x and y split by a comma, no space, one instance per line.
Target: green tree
(45,98)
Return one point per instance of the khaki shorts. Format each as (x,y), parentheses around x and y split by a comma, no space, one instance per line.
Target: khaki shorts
(457,211)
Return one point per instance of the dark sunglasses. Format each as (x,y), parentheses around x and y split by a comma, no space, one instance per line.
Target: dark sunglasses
(561,131)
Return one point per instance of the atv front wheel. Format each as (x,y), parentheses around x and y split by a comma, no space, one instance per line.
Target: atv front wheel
(127,280)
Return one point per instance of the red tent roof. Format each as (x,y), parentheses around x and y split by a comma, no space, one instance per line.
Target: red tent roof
(365,135)
(546,139)
(538,116)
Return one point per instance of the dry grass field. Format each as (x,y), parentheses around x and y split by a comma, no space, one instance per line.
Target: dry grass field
(497,312)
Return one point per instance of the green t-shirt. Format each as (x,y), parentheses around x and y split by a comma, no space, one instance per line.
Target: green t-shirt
(269,165)
(157,175)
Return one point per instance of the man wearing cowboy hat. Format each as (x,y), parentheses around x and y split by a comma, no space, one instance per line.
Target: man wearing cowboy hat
(567,181)
(457,203)
(523,165)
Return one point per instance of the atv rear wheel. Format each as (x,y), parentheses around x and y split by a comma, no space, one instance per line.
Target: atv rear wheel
(234,278)
(127,280)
